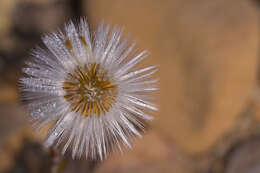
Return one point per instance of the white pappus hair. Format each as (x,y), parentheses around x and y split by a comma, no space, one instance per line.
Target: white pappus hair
(90,88)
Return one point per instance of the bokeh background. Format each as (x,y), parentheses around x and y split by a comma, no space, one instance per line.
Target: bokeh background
(209,98)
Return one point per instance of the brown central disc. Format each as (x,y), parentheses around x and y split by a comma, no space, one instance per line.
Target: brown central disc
(89,90)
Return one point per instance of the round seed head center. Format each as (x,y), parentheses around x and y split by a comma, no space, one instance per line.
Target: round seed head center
(89,90)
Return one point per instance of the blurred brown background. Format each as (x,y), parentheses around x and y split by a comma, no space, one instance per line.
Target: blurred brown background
(209,98)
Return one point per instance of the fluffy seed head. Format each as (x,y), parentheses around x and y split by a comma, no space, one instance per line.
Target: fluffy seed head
(89,87)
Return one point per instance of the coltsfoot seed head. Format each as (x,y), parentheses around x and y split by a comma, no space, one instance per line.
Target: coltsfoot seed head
(90,88)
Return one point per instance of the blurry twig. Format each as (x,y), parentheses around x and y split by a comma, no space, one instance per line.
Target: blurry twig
(58,164)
